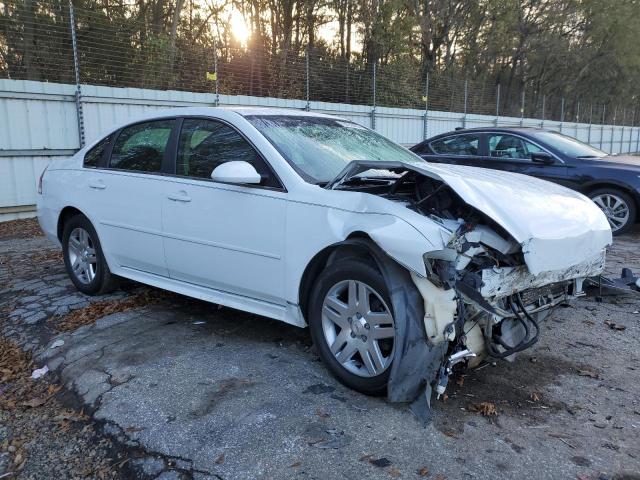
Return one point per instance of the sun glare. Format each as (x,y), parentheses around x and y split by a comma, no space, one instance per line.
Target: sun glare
(239,27)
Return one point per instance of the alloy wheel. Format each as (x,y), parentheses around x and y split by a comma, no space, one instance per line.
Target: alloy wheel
(82,255)
(358,327)
(615,209)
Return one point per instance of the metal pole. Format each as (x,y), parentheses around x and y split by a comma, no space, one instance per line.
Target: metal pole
(561,113)
(633,120)
(373,110)
(522,109)
(613,128)
(76,67)
(624,116)
(604,109)
(215,69)
(307,106)
(426,108)
(590,122)
(466,90)
(544,99)
(497,105)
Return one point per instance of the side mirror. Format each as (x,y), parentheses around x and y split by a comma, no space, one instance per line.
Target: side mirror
(236,172)
(542,157)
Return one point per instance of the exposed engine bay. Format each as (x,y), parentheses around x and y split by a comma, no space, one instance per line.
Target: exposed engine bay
(479,294)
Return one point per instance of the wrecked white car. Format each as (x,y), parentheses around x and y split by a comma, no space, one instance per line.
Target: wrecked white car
(400,268)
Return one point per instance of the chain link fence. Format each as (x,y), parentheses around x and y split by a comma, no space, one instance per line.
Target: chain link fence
(118,45)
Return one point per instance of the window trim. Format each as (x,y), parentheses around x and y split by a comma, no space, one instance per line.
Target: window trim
(174,164)
(166,160)
(526,139)
(480,144)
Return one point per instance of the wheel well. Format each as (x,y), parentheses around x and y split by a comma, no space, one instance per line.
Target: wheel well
(326,256)
(66,214)
(598,186)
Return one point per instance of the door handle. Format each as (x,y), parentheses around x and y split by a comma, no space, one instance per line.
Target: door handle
(179,197)
(97,184)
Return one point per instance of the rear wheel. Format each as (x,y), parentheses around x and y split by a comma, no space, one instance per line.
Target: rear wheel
(83,257)
(618,207)
(352,325)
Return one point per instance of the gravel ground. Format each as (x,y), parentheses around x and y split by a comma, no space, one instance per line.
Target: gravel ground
(146,384)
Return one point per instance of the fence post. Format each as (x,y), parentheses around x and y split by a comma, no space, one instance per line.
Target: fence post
(624,117)
(373,110)
(613,129)
(604,109)
(544,99)
(76,67)
(561,113)
(522,109)
(307,107)
(497,105)
(590,122)
(577,116)
(638,141)
(633,121)
(466,92)
(215,69)
(426,108)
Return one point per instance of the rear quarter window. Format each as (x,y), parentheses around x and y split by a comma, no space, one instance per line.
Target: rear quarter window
(93,157)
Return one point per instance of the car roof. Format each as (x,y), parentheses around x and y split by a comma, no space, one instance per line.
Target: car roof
(240,110)
(506,129)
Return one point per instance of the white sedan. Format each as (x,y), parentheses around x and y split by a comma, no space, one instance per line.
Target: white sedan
(400,268)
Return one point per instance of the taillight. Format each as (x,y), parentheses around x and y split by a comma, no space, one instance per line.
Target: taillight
(40,180)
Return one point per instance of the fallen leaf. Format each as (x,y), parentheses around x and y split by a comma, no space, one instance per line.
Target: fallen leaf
(365,458)
(450,433)
(589,373)
(614,326)
(133,429)
(394,472)
(220,459)
(295,465)
(440,476)
(35,402)
(380,462)
(485,408)
(535,396)
(423,472)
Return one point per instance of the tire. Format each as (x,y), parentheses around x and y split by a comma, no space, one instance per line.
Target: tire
(336,286)
(80,245)
(613,201)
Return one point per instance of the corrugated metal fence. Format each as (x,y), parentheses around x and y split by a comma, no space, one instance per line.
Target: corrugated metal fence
(39,124)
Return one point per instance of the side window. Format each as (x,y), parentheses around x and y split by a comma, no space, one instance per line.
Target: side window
(92,157)
(510,146)
(204,144)
(141,147)
(457,145)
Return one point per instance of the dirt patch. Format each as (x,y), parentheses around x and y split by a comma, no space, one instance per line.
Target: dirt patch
(511,388)
(35,424)
(25,228)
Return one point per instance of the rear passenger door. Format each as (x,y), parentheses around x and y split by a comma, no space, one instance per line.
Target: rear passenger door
(458,149)
(124,196)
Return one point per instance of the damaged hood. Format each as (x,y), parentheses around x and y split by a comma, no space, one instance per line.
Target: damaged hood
(557,227)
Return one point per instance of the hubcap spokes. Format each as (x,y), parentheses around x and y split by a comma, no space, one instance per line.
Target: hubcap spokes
(358,328)
(615,209)
(82,255)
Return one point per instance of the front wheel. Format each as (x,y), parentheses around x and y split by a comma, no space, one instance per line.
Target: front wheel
(352,325)
(618,207)
(83,257)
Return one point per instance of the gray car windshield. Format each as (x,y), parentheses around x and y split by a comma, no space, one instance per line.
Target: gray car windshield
(568,145)
(319,148)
